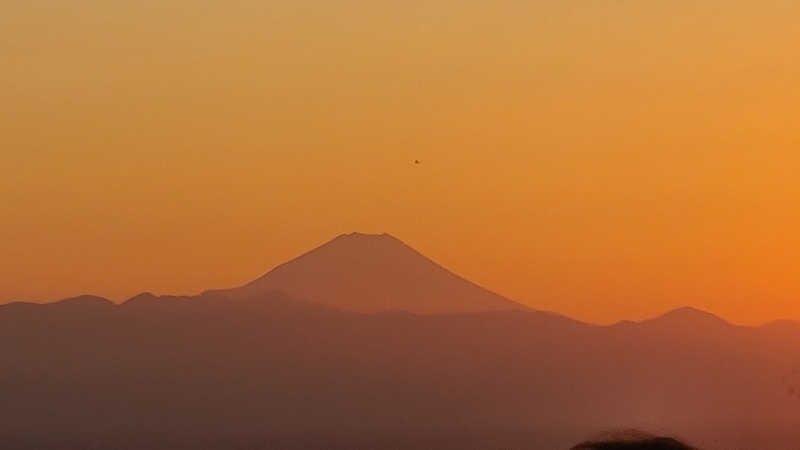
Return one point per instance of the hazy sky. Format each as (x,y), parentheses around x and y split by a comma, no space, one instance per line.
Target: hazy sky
(604,159)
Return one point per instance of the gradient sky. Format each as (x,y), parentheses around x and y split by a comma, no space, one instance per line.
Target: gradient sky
(604,159)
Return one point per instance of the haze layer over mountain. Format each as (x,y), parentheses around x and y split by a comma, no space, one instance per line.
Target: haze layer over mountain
(274,372)
(372,273)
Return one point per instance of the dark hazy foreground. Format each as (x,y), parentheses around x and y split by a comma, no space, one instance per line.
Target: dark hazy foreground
(272,368)
(255,368)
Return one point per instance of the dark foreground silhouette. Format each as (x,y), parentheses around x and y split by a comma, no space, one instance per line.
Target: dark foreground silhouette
(637,441)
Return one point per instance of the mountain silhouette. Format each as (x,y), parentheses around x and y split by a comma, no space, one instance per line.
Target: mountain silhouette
(364,343)
(688,318)
(373,273)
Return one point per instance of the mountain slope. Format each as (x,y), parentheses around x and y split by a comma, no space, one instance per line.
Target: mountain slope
(374,273)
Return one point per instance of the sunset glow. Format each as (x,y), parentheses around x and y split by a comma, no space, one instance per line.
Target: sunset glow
(605,160)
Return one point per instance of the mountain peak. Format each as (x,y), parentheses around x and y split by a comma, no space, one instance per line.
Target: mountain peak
(84,300)
(374,273)
(366,239)
(689,315)
(358,235)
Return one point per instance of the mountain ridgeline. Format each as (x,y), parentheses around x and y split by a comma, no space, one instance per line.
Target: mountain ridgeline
(365,343)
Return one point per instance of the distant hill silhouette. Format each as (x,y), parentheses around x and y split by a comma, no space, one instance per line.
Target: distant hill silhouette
(373,273)
(261,367)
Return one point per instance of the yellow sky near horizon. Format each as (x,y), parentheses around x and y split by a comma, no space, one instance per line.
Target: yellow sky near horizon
(604,159)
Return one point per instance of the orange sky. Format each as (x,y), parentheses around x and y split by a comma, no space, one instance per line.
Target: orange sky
(604,159)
